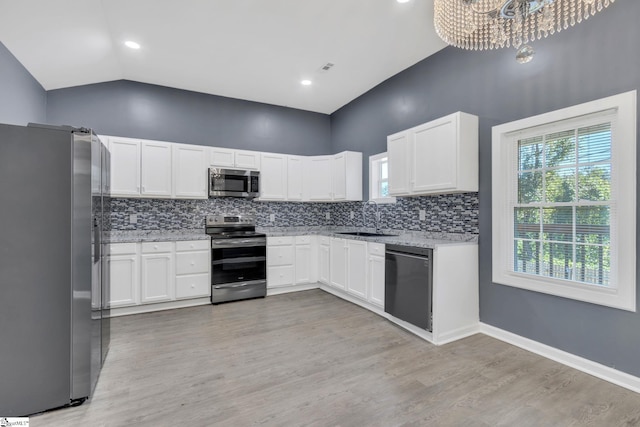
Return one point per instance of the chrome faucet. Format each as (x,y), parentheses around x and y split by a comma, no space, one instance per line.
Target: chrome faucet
(377,217)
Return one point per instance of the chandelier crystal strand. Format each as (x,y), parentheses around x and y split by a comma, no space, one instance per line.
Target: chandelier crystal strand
(493,24)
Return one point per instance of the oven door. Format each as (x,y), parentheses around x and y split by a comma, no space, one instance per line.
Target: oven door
(238,260)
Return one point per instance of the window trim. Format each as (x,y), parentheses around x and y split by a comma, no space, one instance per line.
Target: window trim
(373,181)
(622,293)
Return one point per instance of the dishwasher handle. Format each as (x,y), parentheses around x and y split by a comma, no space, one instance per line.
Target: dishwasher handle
(420,257)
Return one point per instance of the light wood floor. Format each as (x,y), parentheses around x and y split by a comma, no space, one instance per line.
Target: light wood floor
(311,359)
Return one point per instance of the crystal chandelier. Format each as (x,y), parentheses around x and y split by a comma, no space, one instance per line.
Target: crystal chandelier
(492,24)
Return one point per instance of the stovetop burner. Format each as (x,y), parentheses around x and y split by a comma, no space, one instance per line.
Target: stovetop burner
(231,226)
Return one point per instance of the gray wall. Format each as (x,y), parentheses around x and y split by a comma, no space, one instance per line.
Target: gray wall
(22,99)
(597,58)
(138,110)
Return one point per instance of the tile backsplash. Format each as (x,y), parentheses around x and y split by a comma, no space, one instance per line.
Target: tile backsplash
(449,213)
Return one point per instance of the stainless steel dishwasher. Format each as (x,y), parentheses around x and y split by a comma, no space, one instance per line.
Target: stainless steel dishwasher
(408,293)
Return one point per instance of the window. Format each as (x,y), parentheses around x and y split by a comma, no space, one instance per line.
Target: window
(379,179)
(564,189)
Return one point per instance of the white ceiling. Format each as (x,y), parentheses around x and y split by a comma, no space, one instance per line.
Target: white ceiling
(257,50)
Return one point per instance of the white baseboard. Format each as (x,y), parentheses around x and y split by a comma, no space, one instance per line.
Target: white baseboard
(148,308)
(457,334)
(357,301)
(587,366)
(291,288)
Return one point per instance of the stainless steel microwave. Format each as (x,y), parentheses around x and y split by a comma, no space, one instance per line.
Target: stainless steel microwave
(234,183)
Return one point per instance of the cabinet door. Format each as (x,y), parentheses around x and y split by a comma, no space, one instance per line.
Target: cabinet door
(192,262)
(193,286)
(223,157)
(280,276)
(318,178)
(338,270)
(189,171)
(295,179)
(434,156)
(156,169)
(305,265)
(376,280)
(398,155)
(125,167)
(158,281)
(357,268)
(280,255)
(124,280)
(273,177)
(339,177)
(324,267)
(247,159)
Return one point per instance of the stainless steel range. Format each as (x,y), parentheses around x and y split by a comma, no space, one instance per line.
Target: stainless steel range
(238,258)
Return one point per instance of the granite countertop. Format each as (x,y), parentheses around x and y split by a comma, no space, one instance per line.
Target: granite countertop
(392,237)
(135,236)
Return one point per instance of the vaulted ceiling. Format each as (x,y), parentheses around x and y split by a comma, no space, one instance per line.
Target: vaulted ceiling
(259,50)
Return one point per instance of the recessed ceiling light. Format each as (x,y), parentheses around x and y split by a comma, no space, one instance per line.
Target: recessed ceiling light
(402,1)
(132,45)
(305,82)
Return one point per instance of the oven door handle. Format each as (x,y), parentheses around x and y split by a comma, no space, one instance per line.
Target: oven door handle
(239,284)
(241,260)
(229,243)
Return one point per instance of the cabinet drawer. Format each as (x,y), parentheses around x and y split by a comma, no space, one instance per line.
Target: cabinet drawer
(278,241)
(192,262)
(280,255)
(279,276)
(156,247)
(193,286)
(303,240)
(324,240)
(193,245)
(122,248)
(376,249)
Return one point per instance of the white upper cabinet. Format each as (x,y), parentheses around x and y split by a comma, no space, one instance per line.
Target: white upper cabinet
(295,178)
(398,155)
(190,171)
(125,166)
(346,173)
(337,177)
(273,177)
(318,178)
(440,156)
(239,159)
(156,169)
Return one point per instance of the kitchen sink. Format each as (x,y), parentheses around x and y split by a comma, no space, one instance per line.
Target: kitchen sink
(366,234)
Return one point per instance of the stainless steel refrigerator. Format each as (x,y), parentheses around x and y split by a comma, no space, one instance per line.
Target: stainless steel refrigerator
(54,328)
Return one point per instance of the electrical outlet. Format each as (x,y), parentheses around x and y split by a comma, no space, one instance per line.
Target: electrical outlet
(423,214)
(272,217)
(352,215)
(133,219)
(327,215)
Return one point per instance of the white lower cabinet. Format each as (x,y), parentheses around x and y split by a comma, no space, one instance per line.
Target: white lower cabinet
(324,250)
(290,261)
(123,268)
(357,268)
(193,269)
(306,267)
(376,274)
(338,263)
(158,272)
